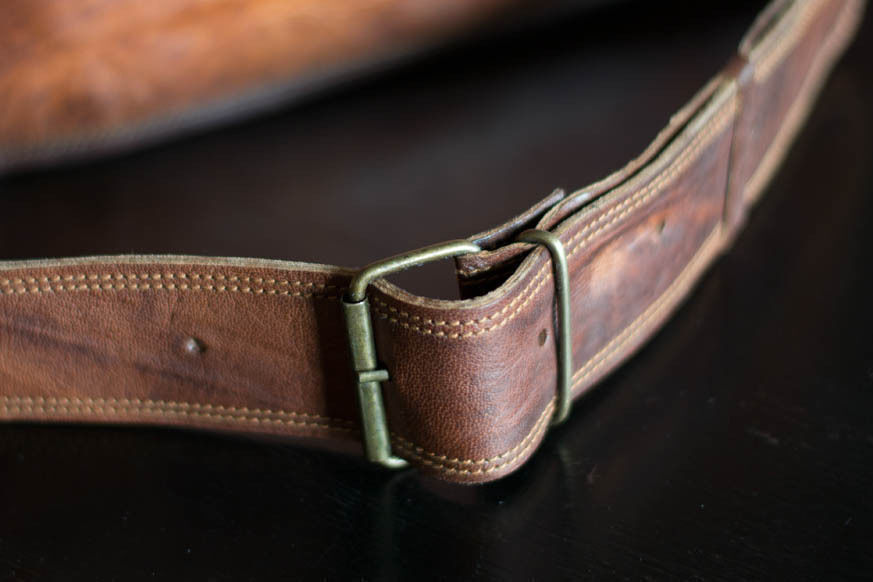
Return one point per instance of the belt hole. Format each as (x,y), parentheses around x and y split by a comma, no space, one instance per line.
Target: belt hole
(662,225)
(544,335)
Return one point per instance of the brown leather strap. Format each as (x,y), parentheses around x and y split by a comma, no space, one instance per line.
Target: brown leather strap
(260,346)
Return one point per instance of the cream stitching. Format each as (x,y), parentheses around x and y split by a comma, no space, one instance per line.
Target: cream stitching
(95,409)
(778,51)
(531,439)
(190,282)
(800,107)
(665,301)
(95,406)
(412,448)
(613,215)
(165,405)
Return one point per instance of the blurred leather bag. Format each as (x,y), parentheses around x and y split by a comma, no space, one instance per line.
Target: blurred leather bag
(85,77)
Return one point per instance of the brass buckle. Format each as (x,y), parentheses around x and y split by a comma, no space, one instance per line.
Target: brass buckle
(377,440)
(362,345)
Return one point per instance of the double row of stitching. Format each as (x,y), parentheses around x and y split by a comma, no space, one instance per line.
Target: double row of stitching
(81,410)
(170,405)
(24,406)
(506,460)
(159,276)
(167,281)
(664,302)
(775,54)
(444,461)
(575,244)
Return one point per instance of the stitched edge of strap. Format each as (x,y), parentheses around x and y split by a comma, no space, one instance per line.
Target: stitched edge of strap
(770,58)
(664,302)
(515,455)
(419,452)
(711,130)
(187,282)
(61,407)
(160,406)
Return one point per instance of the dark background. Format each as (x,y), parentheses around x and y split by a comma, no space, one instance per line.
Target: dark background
(736,445)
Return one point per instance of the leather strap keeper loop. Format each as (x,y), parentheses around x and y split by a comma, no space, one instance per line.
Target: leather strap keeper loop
(563,335)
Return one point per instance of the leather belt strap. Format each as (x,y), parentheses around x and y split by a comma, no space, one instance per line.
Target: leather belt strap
(261,346)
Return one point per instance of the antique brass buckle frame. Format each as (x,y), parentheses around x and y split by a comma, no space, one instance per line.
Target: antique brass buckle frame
(370,375)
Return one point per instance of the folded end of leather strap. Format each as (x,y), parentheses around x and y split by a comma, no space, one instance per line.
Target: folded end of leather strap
(470,387)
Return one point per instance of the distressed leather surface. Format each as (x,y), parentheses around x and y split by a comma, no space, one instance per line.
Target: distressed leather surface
(84,77)
(259,346)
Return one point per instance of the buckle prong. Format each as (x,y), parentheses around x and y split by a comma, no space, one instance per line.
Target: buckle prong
(369,375)
(563,337)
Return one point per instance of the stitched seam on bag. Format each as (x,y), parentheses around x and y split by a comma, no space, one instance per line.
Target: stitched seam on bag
(96,410)
(145,405)
(575,244)
(417,451)
(120,281)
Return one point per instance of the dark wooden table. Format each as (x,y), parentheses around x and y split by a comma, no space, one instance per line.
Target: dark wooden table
(737,445)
